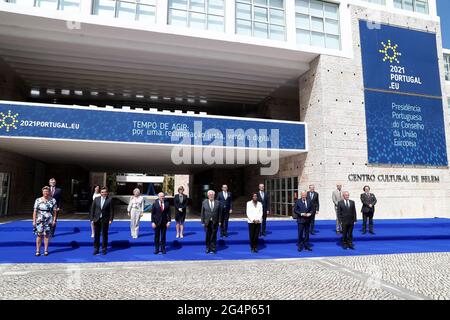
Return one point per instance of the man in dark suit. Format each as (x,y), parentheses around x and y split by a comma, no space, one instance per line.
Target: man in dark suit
(225,199)
(368,209)
(302,213)
(210,217)
(263,197)
(346,211)
(102,215)
(160,222)
(313,198)
(56,194)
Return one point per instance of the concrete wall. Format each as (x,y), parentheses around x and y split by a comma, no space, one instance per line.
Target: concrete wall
(331,101)
(11,86)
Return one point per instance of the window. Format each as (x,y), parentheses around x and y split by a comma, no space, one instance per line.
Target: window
(282,192)
(141,10)
(382,2)
(66,5)
(412,5)
(198,14)
(317,23)
(261,18)
(447,66)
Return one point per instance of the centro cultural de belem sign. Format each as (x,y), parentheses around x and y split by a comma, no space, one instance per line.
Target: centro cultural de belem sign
(403,97)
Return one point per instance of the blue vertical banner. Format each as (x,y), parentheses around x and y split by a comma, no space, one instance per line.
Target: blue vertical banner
(403,97)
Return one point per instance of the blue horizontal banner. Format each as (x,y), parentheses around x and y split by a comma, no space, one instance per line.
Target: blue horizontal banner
(82,123)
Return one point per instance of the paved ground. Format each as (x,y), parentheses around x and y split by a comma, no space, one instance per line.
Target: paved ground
(391,277)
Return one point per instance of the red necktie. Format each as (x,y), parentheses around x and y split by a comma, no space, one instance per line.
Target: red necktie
(162,206)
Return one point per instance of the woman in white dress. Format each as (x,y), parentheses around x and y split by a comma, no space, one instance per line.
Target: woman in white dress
(254,218)
(95,195)
(135,212)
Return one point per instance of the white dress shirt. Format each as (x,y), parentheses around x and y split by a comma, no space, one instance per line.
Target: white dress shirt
(254,213)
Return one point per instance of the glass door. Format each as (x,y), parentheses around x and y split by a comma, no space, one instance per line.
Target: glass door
(4,193)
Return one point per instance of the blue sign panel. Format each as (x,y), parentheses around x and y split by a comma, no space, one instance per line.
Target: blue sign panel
(399,60)
(405,129)
(59,122)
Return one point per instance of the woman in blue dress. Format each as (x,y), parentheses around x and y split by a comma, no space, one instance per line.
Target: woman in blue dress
(44,217)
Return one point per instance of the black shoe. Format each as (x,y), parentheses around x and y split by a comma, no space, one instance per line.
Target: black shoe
(96,252)
(299,249)
(371,232)
(104,252)
(156,251)
(163,251)
(214,251)
(312,233)
(256,250)
(307,248)
(351,246)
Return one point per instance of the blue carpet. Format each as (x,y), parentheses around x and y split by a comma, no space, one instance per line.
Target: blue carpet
(73,243)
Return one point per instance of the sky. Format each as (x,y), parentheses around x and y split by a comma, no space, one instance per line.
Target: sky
(443,7)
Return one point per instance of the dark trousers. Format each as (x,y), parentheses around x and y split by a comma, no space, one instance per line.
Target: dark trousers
(160,236)
(347,233)
(101,227)
(253,231)
(264,219)
(303,233)
(368,215)
(224,221)
(313,221)
(211,235)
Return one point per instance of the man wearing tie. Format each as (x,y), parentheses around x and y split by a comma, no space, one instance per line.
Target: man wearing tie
(313,198)
(336,197)
(160,222)
(368,209)
(302,213)
(210,214)
(55,193)
(101,215)
(263,197)
(225,200)
(347,215)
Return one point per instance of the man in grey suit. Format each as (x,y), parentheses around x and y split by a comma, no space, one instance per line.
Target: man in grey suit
(210,217)
(337,196)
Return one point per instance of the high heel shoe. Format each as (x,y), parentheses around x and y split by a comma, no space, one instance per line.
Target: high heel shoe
(46,253)
(37,254)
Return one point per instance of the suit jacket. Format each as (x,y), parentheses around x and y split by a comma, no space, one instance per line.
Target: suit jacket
(161,217)
(314,201)
(226,204)
(366,200)
(347,215)
(264,202)
(57,196)
(300,209)
(208,215)
(96,210)
(180,205)
(337,196)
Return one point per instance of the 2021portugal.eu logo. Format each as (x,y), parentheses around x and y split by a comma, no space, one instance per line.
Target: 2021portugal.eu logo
(8,121)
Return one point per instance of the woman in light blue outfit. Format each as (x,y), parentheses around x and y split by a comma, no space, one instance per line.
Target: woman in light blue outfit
(44,217)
